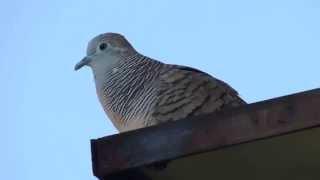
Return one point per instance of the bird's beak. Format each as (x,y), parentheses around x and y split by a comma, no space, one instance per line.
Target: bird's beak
(85,61)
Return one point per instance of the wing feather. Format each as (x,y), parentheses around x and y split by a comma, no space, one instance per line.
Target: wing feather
(185,91)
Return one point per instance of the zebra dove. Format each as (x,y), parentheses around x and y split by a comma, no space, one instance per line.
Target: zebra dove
(136,91)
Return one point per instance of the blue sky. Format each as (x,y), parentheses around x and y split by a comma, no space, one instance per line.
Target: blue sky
(49,112)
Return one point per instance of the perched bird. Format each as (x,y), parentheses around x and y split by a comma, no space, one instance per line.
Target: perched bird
(136,91)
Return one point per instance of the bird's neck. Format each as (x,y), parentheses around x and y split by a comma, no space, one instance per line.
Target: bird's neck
(124,82)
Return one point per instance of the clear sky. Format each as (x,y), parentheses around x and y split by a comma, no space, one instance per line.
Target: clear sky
(49,112)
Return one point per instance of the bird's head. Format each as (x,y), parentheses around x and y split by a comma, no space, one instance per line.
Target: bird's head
(105,51)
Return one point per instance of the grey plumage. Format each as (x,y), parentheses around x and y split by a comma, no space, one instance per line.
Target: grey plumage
(137,91)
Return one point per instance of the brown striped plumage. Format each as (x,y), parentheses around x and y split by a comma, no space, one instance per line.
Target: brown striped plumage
(136,91)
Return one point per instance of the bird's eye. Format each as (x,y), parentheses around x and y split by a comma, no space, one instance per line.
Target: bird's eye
(103,46)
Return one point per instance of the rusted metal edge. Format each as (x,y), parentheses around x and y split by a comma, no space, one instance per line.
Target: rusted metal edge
(274,117)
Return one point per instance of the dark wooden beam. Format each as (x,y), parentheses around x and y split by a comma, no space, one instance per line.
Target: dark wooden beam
(122,152)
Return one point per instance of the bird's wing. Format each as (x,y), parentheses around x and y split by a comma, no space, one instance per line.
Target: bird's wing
(185,91)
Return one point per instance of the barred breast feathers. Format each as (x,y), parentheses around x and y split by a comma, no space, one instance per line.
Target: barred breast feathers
(129,92)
